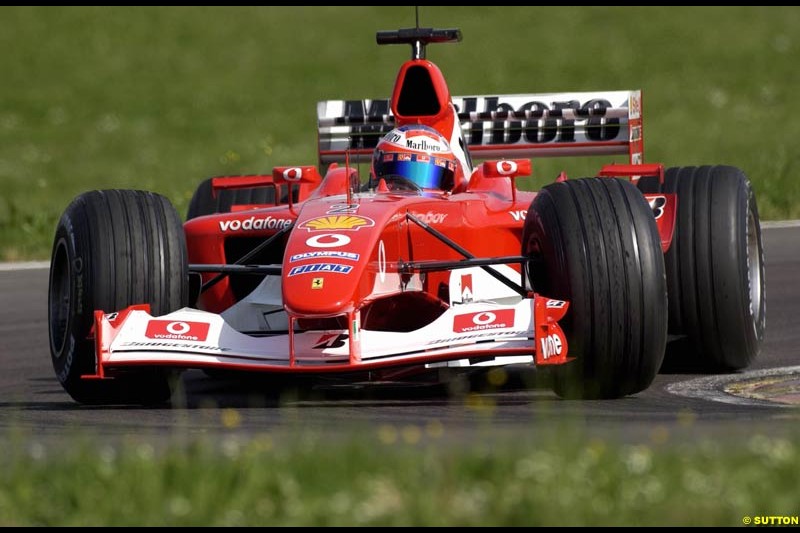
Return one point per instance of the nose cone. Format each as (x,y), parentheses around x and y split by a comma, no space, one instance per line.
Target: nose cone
(326,259)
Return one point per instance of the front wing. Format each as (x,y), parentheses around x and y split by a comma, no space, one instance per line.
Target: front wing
(476,334)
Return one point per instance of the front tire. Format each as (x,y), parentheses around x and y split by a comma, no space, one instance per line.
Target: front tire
(113,249)
(594,243)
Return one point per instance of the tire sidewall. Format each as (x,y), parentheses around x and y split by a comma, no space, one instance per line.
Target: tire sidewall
(758,315)
(75,356)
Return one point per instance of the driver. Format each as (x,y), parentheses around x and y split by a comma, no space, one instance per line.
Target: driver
(416,158)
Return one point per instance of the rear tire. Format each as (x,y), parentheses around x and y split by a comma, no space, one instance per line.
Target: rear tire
(715,269)
(113,249)
(594,243)
(203,201)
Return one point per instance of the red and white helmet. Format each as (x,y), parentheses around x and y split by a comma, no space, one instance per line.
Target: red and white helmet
(416,157)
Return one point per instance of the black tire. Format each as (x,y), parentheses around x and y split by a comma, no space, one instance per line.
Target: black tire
(203,202)
(715,269)
(594,243)
(113,249)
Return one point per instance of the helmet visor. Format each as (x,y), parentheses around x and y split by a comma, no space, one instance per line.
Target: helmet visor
(427,172)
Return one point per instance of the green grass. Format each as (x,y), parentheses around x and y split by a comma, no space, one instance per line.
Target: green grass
(160,98)
(382,479)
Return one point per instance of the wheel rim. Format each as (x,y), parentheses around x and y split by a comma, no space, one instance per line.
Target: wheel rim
(754,263)
(59,299)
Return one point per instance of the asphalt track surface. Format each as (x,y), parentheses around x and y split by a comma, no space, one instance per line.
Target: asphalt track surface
(681,405)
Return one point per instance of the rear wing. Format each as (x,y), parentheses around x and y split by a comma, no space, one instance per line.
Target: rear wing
(517,125)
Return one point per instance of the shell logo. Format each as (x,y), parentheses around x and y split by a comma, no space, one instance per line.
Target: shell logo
(337,222)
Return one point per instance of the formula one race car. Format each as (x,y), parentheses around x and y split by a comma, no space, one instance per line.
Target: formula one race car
(432,262)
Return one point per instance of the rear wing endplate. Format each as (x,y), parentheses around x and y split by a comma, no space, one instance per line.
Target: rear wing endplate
(518,125)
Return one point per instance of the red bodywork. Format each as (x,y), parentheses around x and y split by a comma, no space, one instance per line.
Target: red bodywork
(350,261)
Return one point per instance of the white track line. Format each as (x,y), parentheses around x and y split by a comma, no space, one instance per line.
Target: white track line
(781,224)
(31,265)
(35,265)
(711,387)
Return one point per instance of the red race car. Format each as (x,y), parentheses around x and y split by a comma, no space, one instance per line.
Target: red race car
(432,261)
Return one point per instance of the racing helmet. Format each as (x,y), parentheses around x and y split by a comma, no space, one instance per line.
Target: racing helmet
(415,157)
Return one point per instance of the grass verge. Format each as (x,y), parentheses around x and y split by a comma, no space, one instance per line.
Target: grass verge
(381,479)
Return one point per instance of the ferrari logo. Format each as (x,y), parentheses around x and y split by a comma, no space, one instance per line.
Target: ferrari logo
(316,283)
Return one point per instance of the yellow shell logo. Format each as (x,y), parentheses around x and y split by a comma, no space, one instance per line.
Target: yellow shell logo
(337,222)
